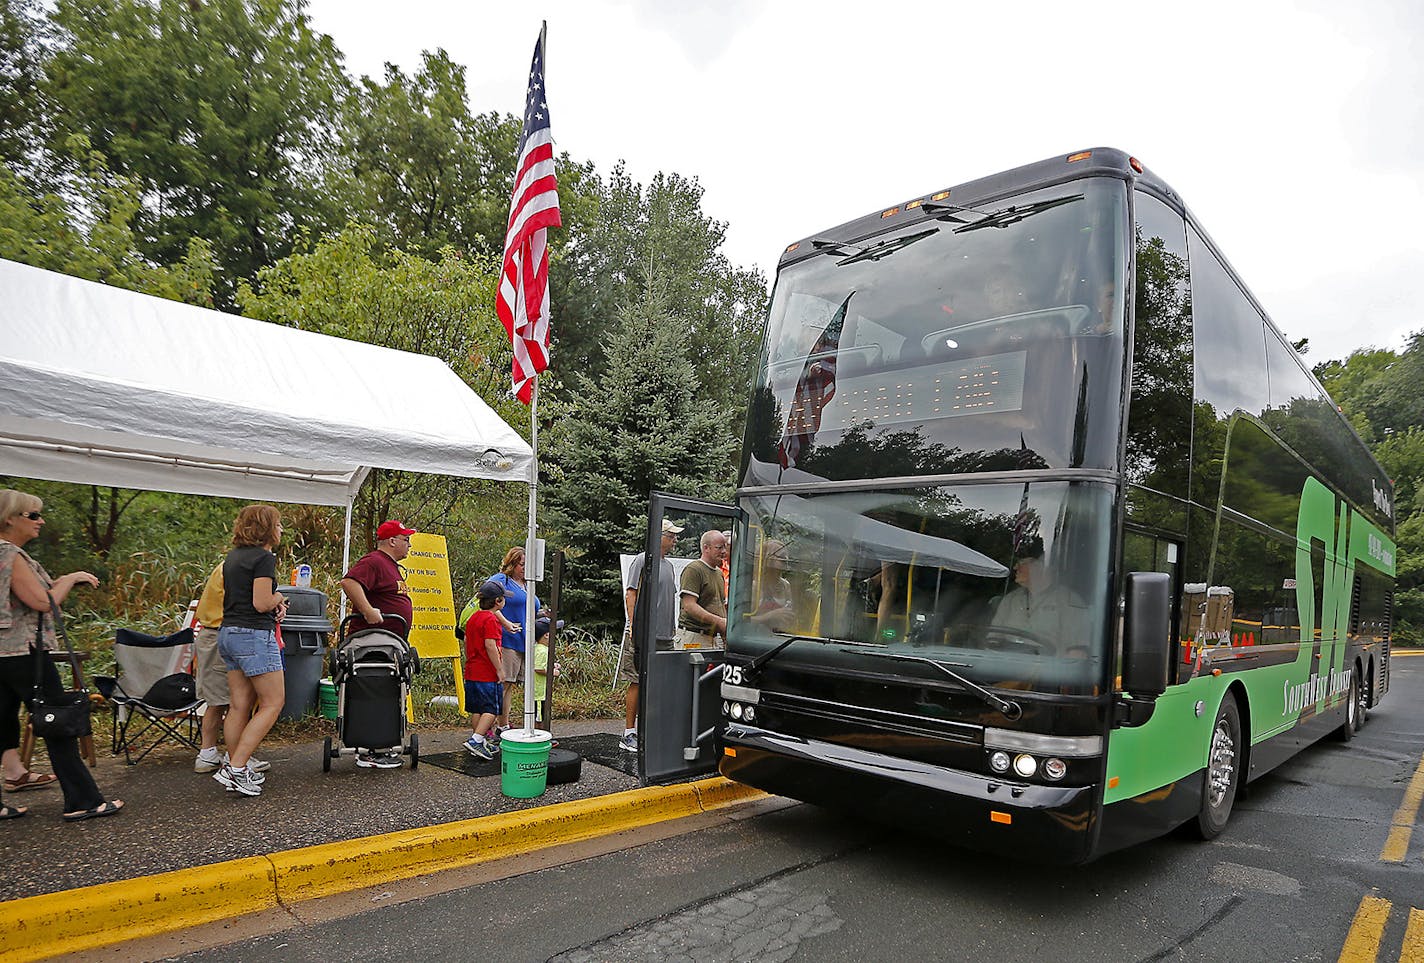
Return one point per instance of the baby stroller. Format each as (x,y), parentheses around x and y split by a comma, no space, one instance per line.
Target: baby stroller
(372,669)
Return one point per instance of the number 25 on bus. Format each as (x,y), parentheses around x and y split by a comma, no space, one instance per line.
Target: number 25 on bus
(1047,540)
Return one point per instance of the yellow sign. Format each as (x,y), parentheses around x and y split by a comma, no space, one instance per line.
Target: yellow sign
(427,579)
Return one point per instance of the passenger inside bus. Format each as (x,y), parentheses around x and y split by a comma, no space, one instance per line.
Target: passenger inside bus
(774,607)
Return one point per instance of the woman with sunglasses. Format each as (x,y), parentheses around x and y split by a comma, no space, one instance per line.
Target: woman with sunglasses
(26,595)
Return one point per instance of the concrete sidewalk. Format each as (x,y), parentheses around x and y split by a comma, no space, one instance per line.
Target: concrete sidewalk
(185,852)
(175,818)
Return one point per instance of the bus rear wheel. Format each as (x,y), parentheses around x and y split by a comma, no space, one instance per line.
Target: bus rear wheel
(1353,720)
(1223,771)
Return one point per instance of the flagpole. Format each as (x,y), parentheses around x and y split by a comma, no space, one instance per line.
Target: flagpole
(530,581)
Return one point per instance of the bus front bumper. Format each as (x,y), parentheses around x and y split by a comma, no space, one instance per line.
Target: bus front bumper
(1027,821)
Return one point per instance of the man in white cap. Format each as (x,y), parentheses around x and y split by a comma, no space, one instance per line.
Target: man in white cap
(664,628)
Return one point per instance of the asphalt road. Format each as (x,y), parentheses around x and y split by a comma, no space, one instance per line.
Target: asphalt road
(1299,862)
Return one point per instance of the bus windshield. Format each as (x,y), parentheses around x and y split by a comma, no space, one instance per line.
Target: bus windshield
(981,339)
(1002,582)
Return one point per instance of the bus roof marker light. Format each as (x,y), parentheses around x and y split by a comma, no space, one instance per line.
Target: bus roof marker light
(792,247)
(939,196)
(911,205)
(892,211)
(1081,155)
(1135,164)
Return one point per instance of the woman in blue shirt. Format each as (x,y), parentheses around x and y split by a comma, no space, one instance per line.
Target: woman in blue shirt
(516,599)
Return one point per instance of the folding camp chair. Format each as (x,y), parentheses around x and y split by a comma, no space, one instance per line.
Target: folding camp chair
(155,687)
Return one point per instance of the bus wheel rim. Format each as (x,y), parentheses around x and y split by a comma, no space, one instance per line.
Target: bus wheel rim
(1223,763)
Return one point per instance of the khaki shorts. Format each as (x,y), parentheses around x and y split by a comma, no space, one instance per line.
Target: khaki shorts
(513,663)
(212,671)
(688,639)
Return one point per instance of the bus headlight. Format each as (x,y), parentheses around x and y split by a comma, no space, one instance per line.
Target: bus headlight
(749,714)
(736,710)
(1025,765)
(999,761)
(726,708)
(1055,769)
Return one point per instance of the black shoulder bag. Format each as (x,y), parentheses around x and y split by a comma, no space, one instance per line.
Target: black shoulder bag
(64,714)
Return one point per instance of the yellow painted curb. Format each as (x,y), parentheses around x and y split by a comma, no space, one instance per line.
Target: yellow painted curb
(82,919)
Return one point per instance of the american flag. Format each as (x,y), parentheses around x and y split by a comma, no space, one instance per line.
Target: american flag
(523,303)
(814,389)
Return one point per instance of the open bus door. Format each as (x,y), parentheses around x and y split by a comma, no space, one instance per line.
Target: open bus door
(679,705)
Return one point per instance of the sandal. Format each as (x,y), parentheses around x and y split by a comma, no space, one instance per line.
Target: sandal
(13,812)
(103,809)
(30,780)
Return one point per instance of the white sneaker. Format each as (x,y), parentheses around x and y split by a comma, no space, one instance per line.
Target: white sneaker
(629,742)
(207,763)
(246,782)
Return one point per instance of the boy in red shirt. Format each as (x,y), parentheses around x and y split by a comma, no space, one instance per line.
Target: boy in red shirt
(484,689)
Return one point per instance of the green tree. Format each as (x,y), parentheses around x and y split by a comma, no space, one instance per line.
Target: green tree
(660,230)
(641,424)
(223,112)
(92,236)
(22,29)
(419,167)
(1356,383)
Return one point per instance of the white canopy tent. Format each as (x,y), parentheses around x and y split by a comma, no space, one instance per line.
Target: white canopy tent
(99,385)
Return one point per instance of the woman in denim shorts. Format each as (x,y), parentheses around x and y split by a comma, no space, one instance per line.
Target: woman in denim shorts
(247,642)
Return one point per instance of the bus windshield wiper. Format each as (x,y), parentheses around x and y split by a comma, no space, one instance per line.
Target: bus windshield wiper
(754,666)
(1015,213)
(1011,710)
(855,253)
(886,248)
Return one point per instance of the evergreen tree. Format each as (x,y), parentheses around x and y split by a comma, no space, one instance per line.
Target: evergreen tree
(642,425)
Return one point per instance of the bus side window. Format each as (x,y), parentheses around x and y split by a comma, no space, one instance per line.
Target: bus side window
(1145,552)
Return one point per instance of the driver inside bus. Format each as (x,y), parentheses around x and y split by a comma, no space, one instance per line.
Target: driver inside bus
(1052,614)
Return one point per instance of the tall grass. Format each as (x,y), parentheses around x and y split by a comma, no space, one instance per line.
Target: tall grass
(147,591)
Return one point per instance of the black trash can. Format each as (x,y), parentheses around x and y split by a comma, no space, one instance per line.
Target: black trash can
(304,634)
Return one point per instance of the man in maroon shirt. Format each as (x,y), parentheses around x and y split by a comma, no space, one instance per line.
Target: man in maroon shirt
(376,583)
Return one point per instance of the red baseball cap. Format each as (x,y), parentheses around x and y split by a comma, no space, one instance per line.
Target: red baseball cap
(391,530)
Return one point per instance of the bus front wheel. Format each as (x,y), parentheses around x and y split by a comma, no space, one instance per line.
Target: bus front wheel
(1223,771)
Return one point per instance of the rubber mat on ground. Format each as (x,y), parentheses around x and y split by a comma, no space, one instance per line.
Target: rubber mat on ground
(461,761)
(601,748)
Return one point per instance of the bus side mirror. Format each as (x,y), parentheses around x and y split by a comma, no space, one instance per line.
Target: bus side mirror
(1147,627)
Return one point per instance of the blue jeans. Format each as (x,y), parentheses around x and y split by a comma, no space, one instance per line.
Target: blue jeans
(249,651)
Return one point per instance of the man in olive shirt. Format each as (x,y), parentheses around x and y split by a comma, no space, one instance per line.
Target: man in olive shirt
(704,601)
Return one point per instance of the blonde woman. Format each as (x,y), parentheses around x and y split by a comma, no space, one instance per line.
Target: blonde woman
(26,592)
(247,642)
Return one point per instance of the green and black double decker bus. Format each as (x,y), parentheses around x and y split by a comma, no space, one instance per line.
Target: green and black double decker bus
(1046,540)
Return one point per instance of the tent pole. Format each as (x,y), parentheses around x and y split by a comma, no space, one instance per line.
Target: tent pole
(530,582)
(346,556)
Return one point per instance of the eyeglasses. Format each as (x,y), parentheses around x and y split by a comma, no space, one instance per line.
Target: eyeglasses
(32,516)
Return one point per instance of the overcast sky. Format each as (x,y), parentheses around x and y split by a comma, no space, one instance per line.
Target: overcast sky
(1292,129)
